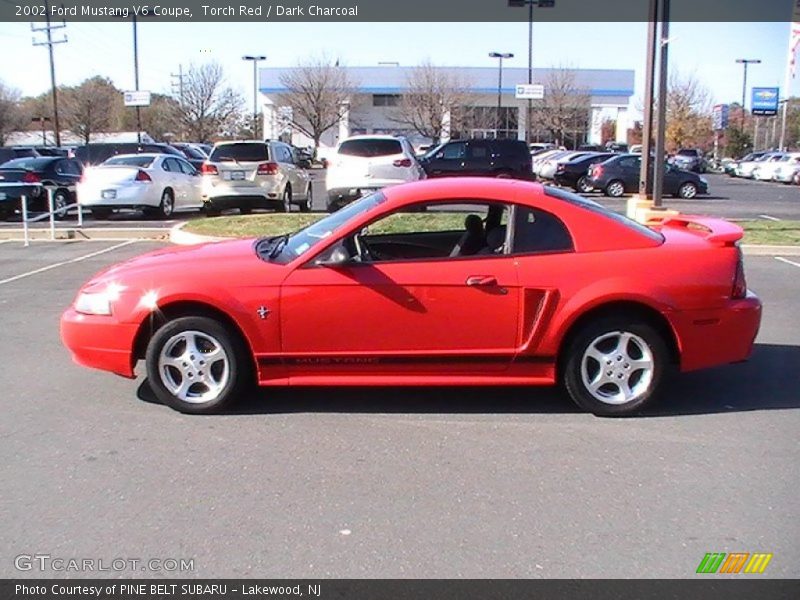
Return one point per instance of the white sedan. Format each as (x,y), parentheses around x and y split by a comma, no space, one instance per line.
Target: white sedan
(158,184)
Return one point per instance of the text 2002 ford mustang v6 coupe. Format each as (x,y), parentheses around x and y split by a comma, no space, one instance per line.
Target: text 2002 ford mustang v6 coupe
(440,282)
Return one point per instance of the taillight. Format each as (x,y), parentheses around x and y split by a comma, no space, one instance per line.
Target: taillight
(207,169)
(739,290)
(143,177)
(31,177)
(402,162)
(597,171)
(559,168)
(267,168)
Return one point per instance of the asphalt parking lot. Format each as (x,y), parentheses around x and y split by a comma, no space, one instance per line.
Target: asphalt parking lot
(455,482)
(729,198)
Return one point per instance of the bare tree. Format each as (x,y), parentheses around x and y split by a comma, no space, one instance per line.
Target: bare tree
(210,107)
(12,115)
(432,94)
(89,107)
(565,106)
(688,113)
(317,92)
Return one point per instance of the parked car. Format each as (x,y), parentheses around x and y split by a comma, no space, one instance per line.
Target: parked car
(368,295)
(7,154)
(538,161)
(745,168)
(479,158)
(786,171)
(575,173)
(158,184)
(636,149)
(365,163)
(547,169)
(191,152)
(616,147)
(94,154)
(540,147)
(690,159)
(252,174)
(620,174)
(766,170)
(33,178)
(733,168)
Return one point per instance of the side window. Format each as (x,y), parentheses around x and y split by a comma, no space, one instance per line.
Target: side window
(283,155)
(166,165)
(185,167)
(61,168)
(478,150)
(438,231)
(539,231)
(454,151)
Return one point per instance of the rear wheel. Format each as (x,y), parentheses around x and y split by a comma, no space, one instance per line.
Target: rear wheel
(306,205)
(286,200)
(60,203)
(687,190)
(167,205)
(615,366)
(615,189)
(582,186)
(245,210)
(197,365)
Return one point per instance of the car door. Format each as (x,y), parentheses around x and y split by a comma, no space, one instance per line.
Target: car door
(171,172)
(449,160)
(436,314)
(189,182)
(478,159)
(68,172)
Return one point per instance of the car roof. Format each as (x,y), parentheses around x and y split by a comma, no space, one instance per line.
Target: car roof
(231,142)
(372,137)
(141,154)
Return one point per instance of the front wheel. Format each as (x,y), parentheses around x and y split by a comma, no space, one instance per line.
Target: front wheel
(687,190)
(614,367)
(197,365)
(582,186)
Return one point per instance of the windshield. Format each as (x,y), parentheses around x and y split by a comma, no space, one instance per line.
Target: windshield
(300,242)
(370,148)
(130,161)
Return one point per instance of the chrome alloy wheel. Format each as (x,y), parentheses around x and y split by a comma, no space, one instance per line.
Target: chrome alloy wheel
(194,367)
(617,367)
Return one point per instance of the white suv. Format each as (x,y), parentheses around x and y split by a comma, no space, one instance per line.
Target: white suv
(248,175)
(365,163)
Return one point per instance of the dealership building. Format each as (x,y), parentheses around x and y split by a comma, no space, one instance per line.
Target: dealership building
(373,107)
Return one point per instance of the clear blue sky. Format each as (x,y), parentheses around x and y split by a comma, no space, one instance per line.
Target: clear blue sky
(707,50)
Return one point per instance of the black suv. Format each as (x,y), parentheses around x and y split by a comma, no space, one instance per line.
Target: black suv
(482,158)
(94,154)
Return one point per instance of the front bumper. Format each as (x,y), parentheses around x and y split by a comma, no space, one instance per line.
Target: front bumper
(709,338)
(99,342)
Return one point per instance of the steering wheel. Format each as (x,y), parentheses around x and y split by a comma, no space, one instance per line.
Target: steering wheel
(363,251)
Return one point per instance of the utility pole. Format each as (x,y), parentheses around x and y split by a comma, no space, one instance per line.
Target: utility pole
(658,160)
(254,60)
(501,56)
(178,86)
(744,62)
(49,43)
(646,173)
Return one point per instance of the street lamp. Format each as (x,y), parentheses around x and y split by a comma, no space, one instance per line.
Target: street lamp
(500,56)
(255,60)
(745,62)
(530,4)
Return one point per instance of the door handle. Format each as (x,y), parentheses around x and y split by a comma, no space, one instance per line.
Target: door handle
(481,280)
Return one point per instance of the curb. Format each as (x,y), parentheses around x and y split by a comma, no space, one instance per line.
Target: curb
(185,238)
(93,233)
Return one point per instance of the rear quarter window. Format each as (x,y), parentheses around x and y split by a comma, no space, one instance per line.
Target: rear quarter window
(370,148)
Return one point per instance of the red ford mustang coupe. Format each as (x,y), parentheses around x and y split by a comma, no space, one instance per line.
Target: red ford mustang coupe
(440,282)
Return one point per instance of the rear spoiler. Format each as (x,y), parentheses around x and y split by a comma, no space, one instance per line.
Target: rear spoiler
(717,231)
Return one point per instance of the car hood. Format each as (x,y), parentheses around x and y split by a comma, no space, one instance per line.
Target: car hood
(210,263)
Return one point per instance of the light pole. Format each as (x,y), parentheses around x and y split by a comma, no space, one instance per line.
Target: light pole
(255,60)
(500,56)
(745,62)
(530,4)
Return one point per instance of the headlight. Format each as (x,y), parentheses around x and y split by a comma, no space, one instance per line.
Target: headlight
(99,302)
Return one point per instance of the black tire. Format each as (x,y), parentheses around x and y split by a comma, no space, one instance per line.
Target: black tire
(687,190)
(100,213)
(333,203)
(286,199)
(210,211)
(614,189)
(582,186)
(167,205)
(607,330)
(306,204)
(234,380)
(61,200)
(245,210)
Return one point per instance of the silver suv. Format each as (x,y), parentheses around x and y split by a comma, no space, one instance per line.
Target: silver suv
(252,174)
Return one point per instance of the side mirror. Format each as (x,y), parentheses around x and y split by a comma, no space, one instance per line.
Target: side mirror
(335,257)
(439,156)
(304,163)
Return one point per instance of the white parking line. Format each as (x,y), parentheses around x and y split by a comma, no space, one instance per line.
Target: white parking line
(66,262)
(787,261)
(768,218)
